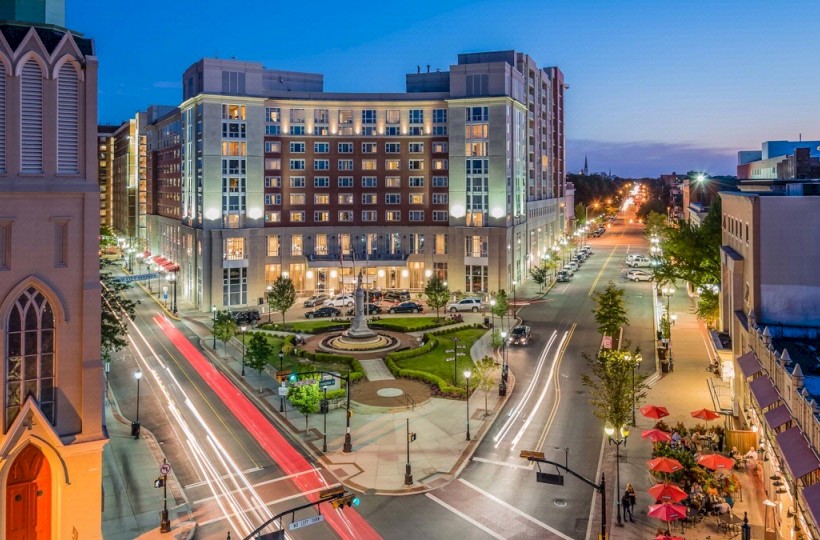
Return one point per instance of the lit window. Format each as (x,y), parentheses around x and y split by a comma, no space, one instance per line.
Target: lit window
(392,215)
(368,164)
(297,199)
(369,198)
(320,216)
(345,198)
(297,216)
(321,198)
(392,182)
(391,164)
(417,198)
(368,215)
(346,215)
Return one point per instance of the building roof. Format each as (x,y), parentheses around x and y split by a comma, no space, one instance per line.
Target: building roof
(50,36)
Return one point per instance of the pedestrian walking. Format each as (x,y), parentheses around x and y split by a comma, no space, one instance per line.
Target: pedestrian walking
(626,505)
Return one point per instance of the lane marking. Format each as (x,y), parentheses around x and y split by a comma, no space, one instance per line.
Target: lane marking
(514,509)
(465,517)
(270,481)
(557,376)
(265,505)
(505,464)
(598,277)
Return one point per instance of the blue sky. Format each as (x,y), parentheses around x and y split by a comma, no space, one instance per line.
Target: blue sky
(655,87)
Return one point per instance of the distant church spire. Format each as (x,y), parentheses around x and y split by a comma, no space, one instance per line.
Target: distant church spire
(585,170)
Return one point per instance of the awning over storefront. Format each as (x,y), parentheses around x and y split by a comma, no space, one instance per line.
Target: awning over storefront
(796,452)
(777,417)
(146,254)
(764,392)
(171,267)
(811,496)
(748,364)
(160,260)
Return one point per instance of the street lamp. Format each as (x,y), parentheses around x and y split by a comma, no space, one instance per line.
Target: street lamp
(504,367)
(213,311)
(467,379)
(139,261)
(242,329)
(624,434)
(135,425)
(281,397)
(172,278)
(634,363)
(512,308)
(269,288)
(667,291)
(492,313)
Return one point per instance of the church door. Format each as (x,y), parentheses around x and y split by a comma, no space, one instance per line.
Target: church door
(28,497)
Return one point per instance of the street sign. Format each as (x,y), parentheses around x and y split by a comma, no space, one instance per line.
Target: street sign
(305,382)
(607,342)
(283,391)
(165,468)
(326,382)
(137,277)
(313,520)
(548,478)
(411,437)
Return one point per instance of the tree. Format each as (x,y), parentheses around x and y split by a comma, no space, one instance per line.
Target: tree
(484,372)
(501,305)
(708,305)
(613,392)
(282,295)
(655,225)
(610,313)
(108,238)
(258,353)
(539,275)
(115,307)
(437,293)
(225,327)
(581,213)
(306,399)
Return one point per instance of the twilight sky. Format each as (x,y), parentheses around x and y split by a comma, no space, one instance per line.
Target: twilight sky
(656,86)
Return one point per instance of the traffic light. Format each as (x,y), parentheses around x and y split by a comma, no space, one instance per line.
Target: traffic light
(292,378)
(347,500)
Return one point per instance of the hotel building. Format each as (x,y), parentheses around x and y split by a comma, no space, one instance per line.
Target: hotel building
(259,173)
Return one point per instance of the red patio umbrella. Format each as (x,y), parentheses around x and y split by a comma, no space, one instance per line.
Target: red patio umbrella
(664,464)
(667,493)
(667,537)
(654,411)
(667,511)
(656,435)
(705,414)
(715,461)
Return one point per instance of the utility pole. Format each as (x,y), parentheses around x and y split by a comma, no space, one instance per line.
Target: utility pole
(408,471)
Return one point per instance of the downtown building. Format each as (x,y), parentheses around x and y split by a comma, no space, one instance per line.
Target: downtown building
(52,430)
(260,173)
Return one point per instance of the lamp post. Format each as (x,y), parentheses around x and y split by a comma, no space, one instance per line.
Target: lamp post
(148,271)
(242,329)
(135,426)
(504,367)
(213,311)
(512,307)
(172,278)
(634,363)
(324,417)
(139,262)
(667,291)
(281,397)
(624,434)
(492,313)
(467,380)
(268,289)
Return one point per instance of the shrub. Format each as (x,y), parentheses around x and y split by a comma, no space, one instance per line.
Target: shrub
(428,346)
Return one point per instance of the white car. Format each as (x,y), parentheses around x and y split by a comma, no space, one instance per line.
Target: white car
(341,300)
(572,265)
(466,304)
(639,262)
(632,256)
(639,275)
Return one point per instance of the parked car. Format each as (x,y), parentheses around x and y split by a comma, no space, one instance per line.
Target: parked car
(396,296)
(369,309)
(597,232)
(341,300)
(579,257)
(563,276)
(587,249)
(633,256)
(316,300)
(373,295)
(324,311)
(466,304)
(246,317)
(520,335)
(574,266)
(639,275)
(567,269)
(406,307)
(639,262)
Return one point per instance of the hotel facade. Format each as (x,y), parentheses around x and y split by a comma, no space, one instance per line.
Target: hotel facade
(260,173)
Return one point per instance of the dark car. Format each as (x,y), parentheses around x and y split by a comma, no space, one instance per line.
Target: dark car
(406,307)
(520,335)
(246,317)
(369,309)
(316,300)
(324,311)
(396,296)
(373,295)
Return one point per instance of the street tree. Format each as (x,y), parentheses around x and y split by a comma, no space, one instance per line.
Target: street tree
(540,274)
(502,306)
(614,385)
(282,296)
(484,372)
(114,310)
(225,328)
(581,213)
(610,311)
(437,293)
(306,399)
(655,225)
(258,353)
(108,238)
(708,305)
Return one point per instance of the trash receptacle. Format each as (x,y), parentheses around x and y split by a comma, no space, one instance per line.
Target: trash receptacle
(135,429)
(487,321)
(665,367)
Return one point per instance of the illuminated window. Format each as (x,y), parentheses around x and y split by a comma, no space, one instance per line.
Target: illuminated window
(321,198)
(273,181)
(273,147)
(297,199)
(368,164)
(440,164)
(369,148)
(297,216)
(345,118)
(439,147)
(368,215)
(393,116)
(273,164)
(234,249)
(345,198)
(390,164)
(321,116)
(273,217)
(392,215)
(233,112)
(296,244)
(440,244)
(369,198)
(297,116)
(273,245)
(417,198)
(346,215)
(392,182)
(320,216)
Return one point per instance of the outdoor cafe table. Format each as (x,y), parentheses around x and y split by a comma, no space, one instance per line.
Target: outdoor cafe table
(729,522)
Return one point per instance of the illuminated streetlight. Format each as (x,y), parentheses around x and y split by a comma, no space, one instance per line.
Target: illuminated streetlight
(467,379)
(624,434)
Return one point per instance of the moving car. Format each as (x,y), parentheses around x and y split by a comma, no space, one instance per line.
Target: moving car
(324,311)
(563,276)
(316,300)
(406,307)
(396,296)
(369,309)
(246,317)
(466,304)
(639,275)
(341,300)
(520,335)
(633,256)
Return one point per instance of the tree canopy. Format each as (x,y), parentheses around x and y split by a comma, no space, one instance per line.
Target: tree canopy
(611,385)
(437,293)
(502,306)
(225,328)
(306,399)
(114,308)
(610,311)
(282,295)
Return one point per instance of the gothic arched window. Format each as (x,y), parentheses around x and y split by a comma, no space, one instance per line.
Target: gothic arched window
(30,355)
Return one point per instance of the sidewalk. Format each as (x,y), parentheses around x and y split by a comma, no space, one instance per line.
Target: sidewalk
(684,390)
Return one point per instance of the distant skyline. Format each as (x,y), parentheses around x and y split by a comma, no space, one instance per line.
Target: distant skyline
(655,87)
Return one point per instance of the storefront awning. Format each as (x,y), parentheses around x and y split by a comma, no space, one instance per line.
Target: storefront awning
(777,417)
(170,267)
(811,496)
(798,455)
(160,260)
(764,392)
(146,254)
(748,364)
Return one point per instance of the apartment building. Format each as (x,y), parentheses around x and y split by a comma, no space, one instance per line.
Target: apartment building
(462,175)
(770,293)
(105,172)
(52,430)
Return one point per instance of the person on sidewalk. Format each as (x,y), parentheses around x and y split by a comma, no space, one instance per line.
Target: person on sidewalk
(626,505)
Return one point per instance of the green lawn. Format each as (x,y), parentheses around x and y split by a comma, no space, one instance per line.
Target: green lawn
(295,364)
(434,361)
(410,324)
(308,327)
